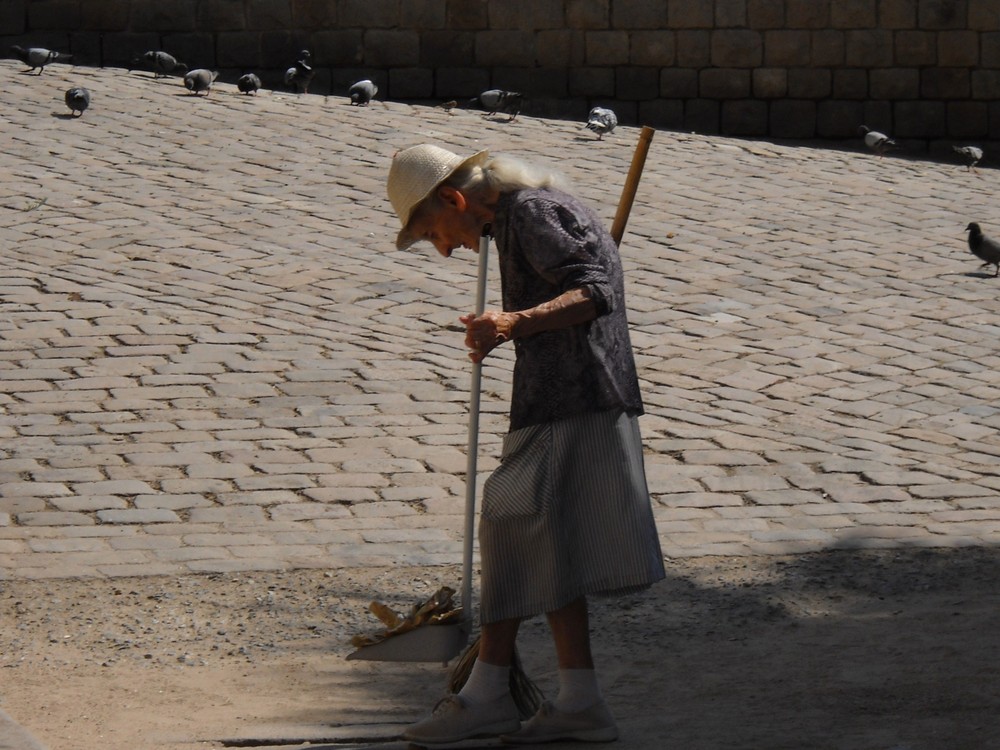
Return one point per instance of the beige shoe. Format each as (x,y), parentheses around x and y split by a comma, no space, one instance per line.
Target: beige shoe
(594,724)
(454,720)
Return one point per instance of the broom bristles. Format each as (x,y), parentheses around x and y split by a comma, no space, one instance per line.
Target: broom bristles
(527,697)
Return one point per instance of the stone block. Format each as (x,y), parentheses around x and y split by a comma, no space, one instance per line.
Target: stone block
(897,14)
(588,14)
(919,119)
(786,48)
(53,15)
(789,118)
(338,48)
(839,119)
(195,49)
(269,15)
(391,48)
(744,118)
(986,84)
(828,48)
(468,14)
(807,14)
(526,15)
(112,15)
(991,50)
(984,15)
(560,48)
(958,49)
(915,48)
(461,83)
(443,48)
(657,48)
(311,14)
(156,15)
(869,48)
(636,84)
(678,83)
(515,48)
(537,83)
(945,83)
(121,49)
(410,83)
(639,14)
(662,113)
(701,116)
(766,14)
(280,49)
(731,14)
(737,48)
(968,119)
(606,47)
(770,83)
(994,120)
(369,14)
(724,83)
(238,49)
(684,14)
(878,114)
(810,83)
(854,14)
(942,14)
(423,14)
(694,48)
(14,16)
(592,82)
(221,15)
(86,48)
(894,83)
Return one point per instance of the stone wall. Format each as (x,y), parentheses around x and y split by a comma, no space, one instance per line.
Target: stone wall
(923,70)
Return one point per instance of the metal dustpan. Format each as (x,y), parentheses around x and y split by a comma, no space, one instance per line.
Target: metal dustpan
(442,643)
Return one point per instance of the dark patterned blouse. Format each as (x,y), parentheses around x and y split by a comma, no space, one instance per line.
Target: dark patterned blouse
(548,243)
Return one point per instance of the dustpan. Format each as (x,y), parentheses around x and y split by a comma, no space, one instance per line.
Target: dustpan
(442,643)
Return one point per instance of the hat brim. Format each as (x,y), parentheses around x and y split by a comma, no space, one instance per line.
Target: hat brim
(405,238)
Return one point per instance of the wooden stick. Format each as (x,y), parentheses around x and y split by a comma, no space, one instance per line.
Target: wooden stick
(631,184)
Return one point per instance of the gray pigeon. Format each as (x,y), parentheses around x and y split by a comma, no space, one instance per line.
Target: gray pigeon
(248,83)
(200,79)
(77,99)
(601,121)
(162,63)
(498,100)
(362,92)
(876,141)
(984,248)
(971,154)
(300,74)
(38,57)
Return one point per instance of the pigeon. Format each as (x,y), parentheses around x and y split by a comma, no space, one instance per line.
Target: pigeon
(362,92)
(200,79)
(983,247)
(77,99)
(876,141)
(971,154)
(162,63)
(248,83)
(601,121)
(498,100)
(38,57)
(299,75)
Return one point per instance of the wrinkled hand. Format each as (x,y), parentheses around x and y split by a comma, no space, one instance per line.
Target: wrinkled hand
(485,333)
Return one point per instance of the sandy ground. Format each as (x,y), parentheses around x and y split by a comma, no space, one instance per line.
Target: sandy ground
(895,650)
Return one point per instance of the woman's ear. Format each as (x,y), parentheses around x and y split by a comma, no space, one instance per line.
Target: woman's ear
(452,197)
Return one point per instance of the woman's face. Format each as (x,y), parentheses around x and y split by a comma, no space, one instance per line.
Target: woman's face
(449,223)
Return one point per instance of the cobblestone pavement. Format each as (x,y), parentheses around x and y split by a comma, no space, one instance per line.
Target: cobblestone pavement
(211,359)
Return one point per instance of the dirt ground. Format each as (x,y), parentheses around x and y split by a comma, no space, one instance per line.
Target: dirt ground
(887,650)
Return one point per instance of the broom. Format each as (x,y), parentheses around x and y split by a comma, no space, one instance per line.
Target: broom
(527,696)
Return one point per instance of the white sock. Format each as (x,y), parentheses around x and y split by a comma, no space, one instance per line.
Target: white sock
(486,683)
(578,690)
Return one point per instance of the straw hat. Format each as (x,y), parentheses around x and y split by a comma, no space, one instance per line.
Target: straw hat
(414,174)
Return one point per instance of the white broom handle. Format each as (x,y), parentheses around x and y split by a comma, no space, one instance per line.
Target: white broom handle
(473,445)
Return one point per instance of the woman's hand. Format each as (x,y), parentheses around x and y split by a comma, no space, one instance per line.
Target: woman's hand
(486,332)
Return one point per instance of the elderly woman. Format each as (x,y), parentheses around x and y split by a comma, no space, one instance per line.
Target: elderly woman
(567,513)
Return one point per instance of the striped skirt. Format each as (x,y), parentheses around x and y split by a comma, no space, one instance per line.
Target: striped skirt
(567,514)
